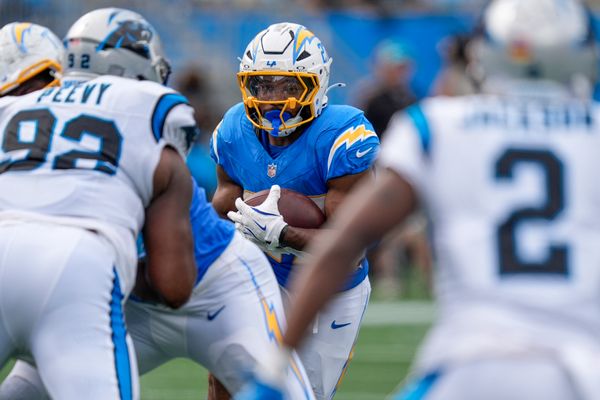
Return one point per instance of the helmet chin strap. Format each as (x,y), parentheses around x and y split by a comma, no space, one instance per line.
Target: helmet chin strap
(272,119)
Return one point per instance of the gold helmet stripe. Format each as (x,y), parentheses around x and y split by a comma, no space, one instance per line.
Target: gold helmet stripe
(303,35)
(19,34)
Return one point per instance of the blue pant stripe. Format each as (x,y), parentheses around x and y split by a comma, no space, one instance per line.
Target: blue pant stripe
(419,389)
(119,335)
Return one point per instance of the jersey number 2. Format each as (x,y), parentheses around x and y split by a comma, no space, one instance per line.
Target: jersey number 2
(37,145)
(555,261)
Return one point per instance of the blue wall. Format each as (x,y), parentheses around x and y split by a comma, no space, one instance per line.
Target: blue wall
(348,37)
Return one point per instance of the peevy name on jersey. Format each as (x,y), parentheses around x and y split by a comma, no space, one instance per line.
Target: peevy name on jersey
(83,93)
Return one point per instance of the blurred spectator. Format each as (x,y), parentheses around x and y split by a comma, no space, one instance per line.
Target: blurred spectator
(193,85)
(380,96)
(388,90)
(453,79)
(401,264)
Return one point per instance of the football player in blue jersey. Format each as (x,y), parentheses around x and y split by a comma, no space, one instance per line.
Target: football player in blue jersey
(285,135)
(235,285)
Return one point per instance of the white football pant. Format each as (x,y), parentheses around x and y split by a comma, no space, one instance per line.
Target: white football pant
(61,306)
(329,346)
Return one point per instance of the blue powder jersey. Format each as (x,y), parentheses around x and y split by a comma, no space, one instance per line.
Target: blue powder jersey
(211,233)
(341,141)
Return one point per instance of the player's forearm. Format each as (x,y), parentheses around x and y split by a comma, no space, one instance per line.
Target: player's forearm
(224,201)
(366,216)
(227,191)
(173,274)
(296,238)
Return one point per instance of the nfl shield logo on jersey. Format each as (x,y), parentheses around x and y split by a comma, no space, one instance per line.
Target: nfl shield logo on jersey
(272,170)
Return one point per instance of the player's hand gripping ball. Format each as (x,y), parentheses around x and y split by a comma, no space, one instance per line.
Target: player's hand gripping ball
(261,224)
(264,215)
(296,209)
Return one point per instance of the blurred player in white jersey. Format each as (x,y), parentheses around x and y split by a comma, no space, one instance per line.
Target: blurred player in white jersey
(508,178)
(82,168)
(235,314)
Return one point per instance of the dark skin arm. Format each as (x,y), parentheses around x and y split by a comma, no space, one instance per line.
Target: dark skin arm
(366,216)
(170,268)
(227,191)
(337,190)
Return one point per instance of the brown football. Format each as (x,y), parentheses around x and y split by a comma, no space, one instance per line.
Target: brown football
(297,209)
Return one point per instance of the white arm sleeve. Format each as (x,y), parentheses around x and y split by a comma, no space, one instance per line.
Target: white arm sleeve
(402,150)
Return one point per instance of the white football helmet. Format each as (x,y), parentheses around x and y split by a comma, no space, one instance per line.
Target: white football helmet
(285,66)
(115,41)
(27,51)
(535,40)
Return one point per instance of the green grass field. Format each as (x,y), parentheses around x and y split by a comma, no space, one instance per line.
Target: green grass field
(386,345)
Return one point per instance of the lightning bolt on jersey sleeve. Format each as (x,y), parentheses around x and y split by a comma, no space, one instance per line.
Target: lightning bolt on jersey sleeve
(353,149)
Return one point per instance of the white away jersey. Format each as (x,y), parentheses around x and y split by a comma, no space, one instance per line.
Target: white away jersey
(510,185)
(87,151)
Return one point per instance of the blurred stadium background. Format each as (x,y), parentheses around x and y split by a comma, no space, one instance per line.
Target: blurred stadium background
(203,39)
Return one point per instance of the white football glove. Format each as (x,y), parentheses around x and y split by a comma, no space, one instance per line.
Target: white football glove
(262,224)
